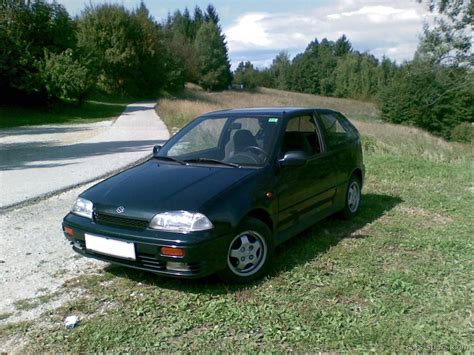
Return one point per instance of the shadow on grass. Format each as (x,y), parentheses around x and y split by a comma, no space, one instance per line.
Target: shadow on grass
(297,251)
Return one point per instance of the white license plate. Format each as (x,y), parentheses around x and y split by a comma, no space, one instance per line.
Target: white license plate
(111,247)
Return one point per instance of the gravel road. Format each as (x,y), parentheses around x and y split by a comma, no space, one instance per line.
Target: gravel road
(35,258)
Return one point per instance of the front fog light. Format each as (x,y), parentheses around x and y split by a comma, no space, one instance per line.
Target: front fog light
(181,222)
(174,266)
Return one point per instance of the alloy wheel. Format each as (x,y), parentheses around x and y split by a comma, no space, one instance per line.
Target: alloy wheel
(247,253)
(353,196)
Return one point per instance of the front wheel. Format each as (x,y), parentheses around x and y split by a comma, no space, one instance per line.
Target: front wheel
(353,196)
(249,253)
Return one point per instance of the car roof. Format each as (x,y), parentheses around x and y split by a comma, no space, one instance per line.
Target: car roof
(267,111)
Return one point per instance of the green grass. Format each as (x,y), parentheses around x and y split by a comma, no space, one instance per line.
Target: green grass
(398,277)
(97,108)
(32,303)
(87,113)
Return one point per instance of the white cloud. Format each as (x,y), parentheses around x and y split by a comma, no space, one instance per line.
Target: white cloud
(371,25)
(380,14)
(250,30)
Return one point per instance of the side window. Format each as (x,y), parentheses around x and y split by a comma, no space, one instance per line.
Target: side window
(334,132)
(301,134)
(348,126)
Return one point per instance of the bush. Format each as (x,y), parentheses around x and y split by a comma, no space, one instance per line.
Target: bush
(27,29)
(65,78)
(433,97)
(463,132)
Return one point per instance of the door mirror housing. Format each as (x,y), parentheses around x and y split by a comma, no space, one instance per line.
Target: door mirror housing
(156,149)
(293,158)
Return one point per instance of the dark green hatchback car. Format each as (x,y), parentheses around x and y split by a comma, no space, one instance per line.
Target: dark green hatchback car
(222,193)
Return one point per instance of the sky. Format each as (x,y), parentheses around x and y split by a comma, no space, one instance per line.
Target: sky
(257,30)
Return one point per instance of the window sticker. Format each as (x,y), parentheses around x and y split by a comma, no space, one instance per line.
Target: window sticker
(273,120)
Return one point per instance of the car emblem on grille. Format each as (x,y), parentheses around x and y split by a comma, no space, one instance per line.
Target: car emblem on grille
(120,209)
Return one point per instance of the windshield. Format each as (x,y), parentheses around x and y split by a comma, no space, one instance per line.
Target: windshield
(231,140)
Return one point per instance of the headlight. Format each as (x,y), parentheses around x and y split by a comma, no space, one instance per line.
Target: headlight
(181,222)
(82,207)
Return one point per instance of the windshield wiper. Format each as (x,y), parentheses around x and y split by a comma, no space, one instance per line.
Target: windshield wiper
(170,159)
(214,161)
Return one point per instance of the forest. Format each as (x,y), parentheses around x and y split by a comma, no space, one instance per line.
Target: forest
(48,58)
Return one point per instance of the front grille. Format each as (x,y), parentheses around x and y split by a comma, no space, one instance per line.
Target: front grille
(103,218)
(150,262)
(147,261)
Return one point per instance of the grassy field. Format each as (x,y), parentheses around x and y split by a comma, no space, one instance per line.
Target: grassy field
(398,277)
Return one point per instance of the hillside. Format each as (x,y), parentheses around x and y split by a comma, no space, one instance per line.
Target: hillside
(383,137)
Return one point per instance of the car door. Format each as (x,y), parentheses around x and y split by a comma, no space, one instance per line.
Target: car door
(340,149)
(306,190)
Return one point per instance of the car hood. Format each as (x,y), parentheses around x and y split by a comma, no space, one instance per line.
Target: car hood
(154,187)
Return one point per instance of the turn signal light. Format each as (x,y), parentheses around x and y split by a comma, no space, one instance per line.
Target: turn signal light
(68,231)
(170,251)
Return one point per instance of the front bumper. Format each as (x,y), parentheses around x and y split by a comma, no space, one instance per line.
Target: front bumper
(204,252)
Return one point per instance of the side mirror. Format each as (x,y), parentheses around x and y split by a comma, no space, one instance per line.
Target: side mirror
(293,158)
(156,149)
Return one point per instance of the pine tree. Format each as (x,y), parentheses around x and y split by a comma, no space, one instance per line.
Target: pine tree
(342,46)
(211,15)
(213,62)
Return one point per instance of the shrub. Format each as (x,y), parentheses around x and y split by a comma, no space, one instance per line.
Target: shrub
(65,78)
(463,132)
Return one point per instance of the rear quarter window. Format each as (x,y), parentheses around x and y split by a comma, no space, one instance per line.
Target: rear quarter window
(337,129)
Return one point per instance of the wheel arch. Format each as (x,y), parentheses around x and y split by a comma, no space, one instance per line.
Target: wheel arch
(262,215)
(359,174)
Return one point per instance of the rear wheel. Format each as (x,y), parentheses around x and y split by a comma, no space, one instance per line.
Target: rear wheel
(353,196)
(249,253)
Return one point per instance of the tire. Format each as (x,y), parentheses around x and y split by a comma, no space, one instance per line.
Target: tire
(353,197)
(249,254)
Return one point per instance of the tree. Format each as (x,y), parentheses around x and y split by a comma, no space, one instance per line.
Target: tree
(436,90)
(122,49)
(449,41)
(312,71)
(211,15)
(213,63)
(27,29)
(346,76)
(280,69)
(342,46)
(246,75)
(426,98)
(64,77)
